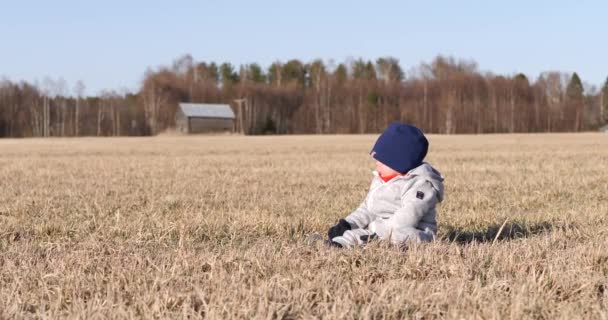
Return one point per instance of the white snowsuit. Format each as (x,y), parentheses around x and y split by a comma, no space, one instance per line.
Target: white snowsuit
(400,210)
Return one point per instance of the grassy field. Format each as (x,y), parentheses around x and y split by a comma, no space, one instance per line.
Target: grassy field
(215,227)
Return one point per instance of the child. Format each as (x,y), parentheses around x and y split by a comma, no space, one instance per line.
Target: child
(400,204)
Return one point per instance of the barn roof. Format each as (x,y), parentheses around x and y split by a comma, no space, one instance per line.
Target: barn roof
(204,110)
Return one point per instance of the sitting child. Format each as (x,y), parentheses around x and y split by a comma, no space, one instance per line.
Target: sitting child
(400,204)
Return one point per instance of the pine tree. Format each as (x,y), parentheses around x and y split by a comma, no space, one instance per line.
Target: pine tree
(253,72)
(341,74)
(294,71)
(228,75)
(575,99)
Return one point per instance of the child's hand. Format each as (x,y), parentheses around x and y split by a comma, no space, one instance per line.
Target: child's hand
(338,229)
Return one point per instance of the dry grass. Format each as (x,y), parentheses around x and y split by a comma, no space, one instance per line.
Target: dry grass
(173,227)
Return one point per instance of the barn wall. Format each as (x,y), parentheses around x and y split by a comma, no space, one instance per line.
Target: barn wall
(201,125)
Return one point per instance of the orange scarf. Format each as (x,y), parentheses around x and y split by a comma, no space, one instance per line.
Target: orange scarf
(390,177)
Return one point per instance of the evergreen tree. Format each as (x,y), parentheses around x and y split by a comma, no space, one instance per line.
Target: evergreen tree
(317,72)
(252,73)
(363,70)
(575,100)
(341,74)
(294,71)
(389,69)
(228,75)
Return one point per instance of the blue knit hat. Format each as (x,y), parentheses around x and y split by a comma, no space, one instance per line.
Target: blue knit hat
(401,147)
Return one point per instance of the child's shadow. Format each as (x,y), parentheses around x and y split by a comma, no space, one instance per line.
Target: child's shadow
(496,232)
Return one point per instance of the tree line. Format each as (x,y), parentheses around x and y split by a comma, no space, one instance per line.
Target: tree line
(356,96)
(28,110)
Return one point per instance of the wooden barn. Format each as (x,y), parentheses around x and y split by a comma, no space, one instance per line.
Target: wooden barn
(204,118)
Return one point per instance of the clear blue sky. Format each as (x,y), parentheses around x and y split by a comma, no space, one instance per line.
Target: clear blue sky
(109,44)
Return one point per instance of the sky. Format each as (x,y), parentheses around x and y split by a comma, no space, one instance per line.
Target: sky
(110,44)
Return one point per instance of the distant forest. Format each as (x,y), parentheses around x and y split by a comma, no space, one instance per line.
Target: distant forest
(446,96)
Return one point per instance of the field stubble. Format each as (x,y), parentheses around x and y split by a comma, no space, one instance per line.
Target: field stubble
(216,227)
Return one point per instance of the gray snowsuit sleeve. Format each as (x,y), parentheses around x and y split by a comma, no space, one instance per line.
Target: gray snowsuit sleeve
(417,202)
(360,218)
